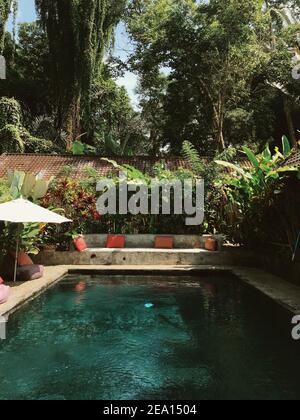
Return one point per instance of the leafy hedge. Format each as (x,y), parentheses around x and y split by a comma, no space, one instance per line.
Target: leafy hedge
(14,137)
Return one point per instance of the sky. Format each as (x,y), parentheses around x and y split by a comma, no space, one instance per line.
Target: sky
(27,13)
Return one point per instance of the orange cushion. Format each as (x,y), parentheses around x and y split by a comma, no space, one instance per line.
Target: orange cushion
(115,241)
(24,260)
(164,242)
(80,244)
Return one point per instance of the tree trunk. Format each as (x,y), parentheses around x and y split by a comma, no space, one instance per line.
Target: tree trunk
(218,115)
(154,141)
(290,123)
(73,123)
(218,124)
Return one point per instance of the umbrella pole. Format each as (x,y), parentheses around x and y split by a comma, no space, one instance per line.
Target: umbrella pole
(17,254)
(296,247)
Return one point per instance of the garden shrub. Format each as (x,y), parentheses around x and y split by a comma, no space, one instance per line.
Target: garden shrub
(10,112)
(14,137)
(11,140)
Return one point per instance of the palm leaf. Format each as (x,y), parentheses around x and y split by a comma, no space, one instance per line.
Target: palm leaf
(286,147)
(233,167)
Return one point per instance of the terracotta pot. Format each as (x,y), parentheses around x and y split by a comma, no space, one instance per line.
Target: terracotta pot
(211,244)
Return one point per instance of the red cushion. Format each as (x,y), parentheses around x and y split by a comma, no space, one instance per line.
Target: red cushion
(164,242)
(80,244)
(24,260)
(115,241)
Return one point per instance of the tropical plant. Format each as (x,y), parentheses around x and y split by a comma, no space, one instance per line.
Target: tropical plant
(78,202)
(28,186)
(252,190)
(193,158)
(14,137)
(265,167)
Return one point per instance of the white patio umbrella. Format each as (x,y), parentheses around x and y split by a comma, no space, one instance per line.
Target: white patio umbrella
(23,211)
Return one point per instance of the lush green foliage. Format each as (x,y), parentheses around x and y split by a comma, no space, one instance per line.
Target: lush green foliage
(19,184)
(28,65)
(78,33)
(248,203)
(235,88)
(5,7)
(14,137)
(223,62)
(78,199)
(110,126)
(218,73)
(256,192)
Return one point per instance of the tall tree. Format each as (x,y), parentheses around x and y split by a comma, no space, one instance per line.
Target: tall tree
(210,50)
(284,18)
(5,7)
(78,32)
(221,58)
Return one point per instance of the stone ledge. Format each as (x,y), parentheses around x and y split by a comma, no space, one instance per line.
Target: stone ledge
(24,292)
(142,256)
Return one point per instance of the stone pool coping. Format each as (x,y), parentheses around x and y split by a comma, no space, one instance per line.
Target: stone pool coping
(284,293)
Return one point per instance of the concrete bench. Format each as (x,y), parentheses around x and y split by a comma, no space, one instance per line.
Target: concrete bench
(189,250)
(147,241)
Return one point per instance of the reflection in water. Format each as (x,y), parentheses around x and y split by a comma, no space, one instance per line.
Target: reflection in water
(80,287)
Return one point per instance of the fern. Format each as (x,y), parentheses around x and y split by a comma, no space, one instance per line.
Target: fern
(193,158)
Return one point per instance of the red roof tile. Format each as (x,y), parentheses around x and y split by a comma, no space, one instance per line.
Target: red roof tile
(294,159)
(51,165)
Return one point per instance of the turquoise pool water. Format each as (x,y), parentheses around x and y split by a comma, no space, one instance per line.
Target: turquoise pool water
(205,337)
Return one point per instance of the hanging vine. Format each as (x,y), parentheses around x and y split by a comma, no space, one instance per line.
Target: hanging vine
(5,8)
(14,8)
(78,33)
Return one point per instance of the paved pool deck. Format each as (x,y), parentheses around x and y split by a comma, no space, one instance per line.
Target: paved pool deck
(279,290)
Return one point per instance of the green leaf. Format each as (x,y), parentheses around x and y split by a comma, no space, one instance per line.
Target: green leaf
(251,156)
(40,189)
(78,148)
(286,147)
(28,185)
(112,162)
(267,155)
(235,168)
(273,174)
(283,169)
(16,179)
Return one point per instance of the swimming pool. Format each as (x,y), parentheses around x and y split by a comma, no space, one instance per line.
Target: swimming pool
(117,337)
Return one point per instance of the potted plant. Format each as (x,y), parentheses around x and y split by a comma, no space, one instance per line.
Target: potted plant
(77,240)
(211,244)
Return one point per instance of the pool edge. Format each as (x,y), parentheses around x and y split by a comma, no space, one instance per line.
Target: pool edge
(282,292)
